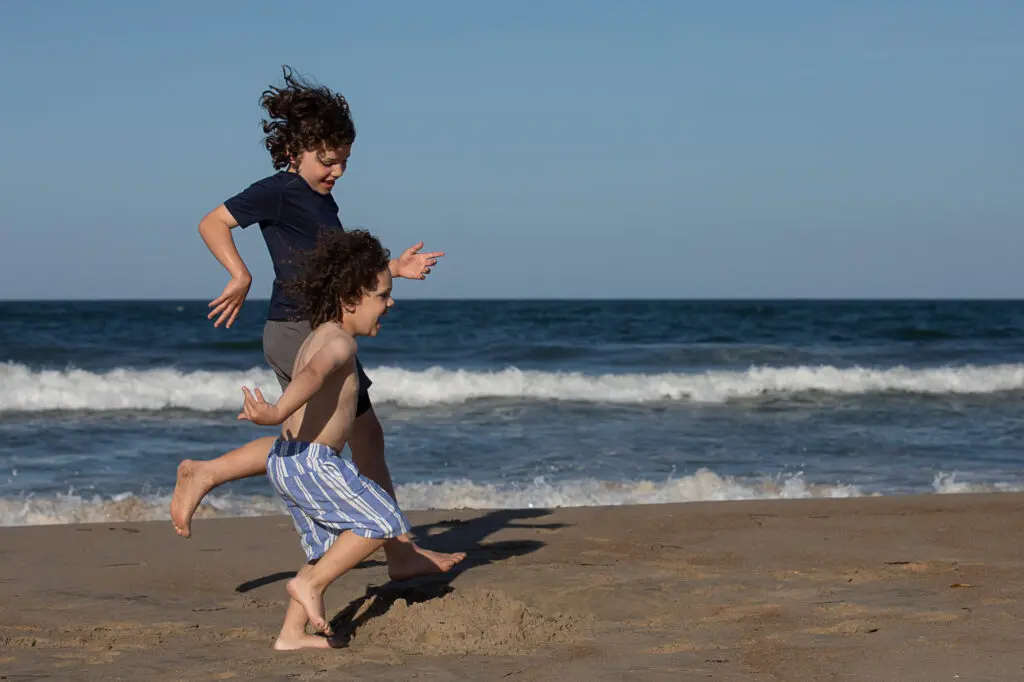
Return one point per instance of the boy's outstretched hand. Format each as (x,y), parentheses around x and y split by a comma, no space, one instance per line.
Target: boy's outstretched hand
(415,265)
(257,410)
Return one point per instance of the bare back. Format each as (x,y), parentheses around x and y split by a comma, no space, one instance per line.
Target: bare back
(328,415)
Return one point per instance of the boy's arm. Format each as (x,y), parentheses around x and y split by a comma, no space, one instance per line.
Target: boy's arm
(331,357)
(215,229)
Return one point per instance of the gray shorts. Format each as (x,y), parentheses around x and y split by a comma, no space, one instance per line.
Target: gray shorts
(281,343)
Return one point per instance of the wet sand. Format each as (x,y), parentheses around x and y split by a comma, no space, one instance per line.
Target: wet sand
(913,588)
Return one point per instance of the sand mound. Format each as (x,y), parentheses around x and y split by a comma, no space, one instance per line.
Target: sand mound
(464,622)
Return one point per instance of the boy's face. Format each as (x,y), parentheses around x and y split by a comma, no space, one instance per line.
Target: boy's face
(363,318)
(321,169)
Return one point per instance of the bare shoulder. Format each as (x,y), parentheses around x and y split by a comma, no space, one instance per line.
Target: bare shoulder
(340,346)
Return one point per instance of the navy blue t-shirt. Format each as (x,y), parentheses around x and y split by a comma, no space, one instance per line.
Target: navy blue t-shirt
(291,215)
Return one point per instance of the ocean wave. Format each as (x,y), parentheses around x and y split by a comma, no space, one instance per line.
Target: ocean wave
(702,486)
(28,390)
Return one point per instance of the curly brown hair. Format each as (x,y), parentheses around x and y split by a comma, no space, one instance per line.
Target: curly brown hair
(343,266)
(304,117)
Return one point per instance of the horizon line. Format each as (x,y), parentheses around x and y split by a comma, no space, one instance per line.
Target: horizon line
(581,299)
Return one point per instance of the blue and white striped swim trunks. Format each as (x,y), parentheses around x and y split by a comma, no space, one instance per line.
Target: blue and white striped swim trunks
(326,495)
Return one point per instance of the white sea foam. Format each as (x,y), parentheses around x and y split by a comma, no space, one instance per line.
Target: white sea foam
(703,485)
(25,389)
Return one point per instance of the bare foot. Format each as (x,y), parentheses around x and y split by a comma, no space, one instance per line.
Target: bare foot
(416,561)
(291,642)
(192,485)
(301,590)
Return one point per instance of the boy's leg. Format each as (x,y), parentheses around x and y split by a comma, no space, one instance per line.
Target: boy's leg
(197,478)
(281,343)
(405,559)
(308,587)
(293,632)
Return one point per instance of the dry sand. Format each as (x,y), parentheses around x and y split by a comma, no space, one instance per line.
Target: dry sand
(917,588)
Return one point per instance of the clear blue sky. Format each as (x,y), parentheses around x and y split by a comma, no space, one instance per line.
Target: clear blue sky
(560,149)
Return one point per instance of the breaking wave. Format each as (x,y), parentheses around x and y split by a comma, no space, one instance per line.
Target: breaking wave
(29,390)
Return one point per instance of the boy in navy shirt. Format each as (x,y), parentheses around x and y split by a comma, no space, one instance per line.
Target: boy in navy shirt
(309,135)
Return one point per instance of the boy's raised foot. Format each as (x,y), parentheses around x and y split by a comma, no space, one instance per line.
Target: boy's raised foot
(191,486)
(301,589)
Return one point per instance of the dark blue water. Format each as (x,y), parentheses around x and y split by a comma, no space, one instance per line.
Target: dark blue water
(515,403)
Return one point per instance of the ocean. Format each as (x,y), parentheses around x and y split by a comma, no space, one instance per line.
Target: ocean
(491,404)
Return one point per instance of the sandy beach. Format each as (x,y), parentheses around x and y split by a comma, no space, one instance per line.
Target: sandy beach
(911,588)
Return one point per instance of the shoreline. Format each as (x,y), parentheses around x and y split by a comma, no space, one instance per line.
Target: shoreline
(910,587)
(74,508)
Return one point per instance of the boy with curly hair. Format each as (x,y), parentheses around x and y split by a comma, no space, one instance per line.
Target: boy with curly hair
(341,516)
(309,134)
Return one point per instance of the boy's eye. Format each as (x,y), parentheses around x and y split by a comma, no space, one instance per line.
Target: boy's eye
(331,161)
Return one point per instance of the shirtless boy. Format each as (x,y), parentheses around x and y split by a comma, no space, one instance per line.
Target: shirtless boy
(342,517)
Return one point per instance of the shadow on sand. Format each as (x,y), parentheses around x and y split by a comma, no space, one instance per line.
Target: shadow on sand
(452,535)
(456,536)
